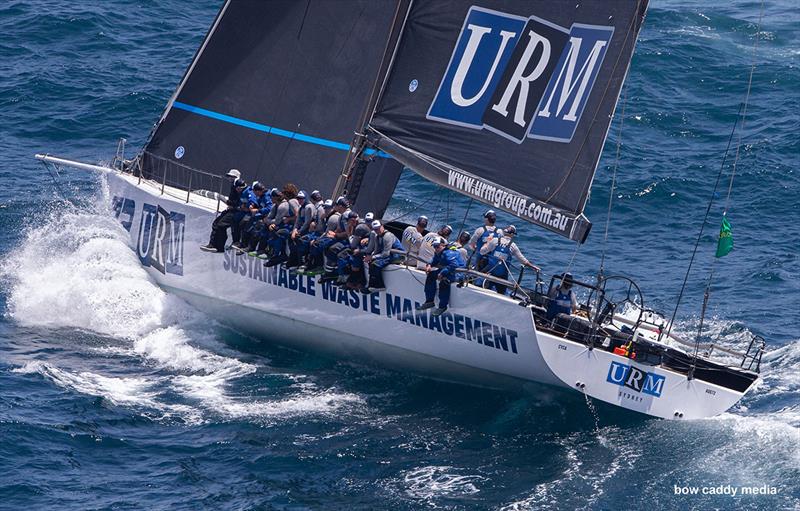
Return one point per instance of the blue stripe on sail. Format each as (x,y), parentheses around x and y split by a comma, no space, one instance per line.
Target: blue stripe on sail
(271,129)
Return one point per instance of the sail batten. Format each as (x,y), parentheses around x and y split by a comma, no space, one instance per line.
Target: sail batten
(509,102)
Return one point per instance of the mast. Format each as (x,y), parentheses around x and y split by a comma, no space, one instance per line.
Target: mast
(346,185)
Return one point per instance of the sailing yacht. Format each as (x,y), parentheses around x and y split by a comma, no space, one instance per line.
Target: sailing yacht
(507,102)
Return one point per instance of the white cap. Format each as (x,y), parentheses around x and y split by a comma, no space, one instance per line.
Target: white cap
(328,203)
(234,173)
(369,217)
(301,194)
(438,241)
(376,224)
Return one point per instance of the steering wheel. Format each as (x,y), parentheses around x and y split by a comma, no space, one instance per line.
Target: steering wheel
(618,292)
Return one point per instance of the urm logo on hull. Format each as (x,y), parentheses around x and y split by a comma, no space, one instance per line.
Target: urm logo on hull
(635,379)
(160,240)
(520,77)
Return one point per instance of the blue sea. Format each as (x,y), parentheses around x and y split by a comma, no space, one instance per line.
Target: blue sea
(116,395)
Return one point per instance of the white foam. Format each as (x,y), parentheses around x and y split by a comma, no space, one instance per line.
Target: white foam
(434,481)
(76,270)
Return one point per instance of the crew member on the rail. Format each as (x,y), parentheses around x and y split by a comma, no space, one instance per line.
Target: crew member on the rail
(258,205)
(351,260)
(281,224)
(562,298)
(302,225)
(259,235)
(481,236)
(339,250)
(412,238)
(321,244)
(500,251)
(381,257)
(461,244)
(226,219)
(442,272)
(426,252)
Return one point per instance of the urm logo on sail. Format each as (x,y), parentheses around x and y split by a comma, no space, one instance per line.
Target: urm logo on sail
(160,240)
(520,77)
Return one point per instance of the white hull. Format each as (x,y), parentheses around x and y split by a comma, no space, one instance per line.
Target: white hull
(484,339)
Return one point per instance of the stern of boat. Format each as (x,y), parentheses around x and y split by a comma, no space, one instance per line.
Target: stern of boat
(646,388)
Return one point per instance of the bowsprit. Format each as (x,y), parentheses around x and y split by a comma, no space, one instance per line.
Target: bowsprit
(520,77)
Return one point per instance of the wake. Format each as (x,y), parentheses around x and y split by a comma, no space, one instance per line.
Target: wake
(76,271)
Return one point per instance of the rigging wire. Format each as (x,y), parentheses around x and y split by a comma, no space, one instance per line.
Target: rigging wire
(613,183)
(705,220)
(53,175)
(464,219)
(743,113)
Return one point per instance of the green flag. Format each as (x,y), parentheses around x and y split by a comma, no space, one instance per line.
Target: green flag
(725,243)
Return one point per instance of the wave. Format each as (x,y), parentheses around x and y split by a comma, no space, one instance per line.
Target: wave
(75,270)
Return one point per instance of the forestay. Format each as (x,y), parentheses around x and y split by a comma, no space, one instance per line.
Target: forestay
(509,101)
(277,90)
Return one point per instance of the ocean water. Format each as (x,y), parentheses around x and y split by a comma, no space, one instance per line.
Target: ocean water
(116,395)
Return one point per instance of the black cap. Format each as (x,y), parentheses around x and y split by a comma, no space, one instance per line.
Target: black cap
(239,183)
(257,186)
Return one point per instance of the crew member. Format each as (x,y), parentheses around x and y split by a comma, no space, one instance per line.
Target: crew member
(281,224)
(426,252)
(302,227)
(381,257)
(351,260)
(326,238)
(258,205)
(500,251)
(339,250)
(412,238)
(441,273)
(226,219)
(562,298)
(481,236)
(461,244)
(259,235)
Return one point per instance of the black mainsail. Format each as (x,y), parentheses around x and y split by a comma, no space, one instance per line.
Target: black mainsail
(509,101)
(277,90)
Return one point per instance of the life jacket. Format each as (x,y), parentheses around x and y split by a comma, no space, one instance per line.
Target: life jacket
(379,242)
(562,302)
(302,214)
(487,231)
(499,259)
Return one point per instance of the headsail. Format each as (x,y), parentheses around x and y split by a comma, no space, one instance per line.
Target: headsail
(277,90)
(510,104)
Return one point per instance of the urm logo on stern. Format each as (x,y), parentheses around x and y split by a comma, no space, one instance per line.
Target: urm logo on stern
(635,379)
(520,77)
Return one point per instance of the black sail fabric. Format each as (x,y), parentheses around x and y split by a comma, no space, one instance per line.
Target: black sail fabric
(509,101)
(276,91)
